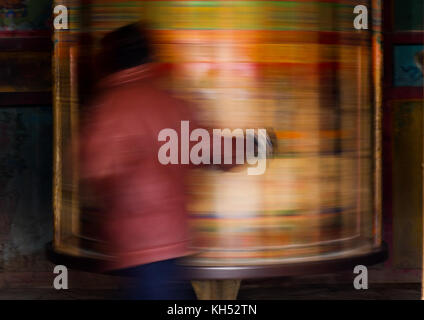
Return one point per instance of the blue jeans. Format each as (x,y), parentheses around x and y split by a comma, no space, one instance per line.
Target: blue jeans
(160,280)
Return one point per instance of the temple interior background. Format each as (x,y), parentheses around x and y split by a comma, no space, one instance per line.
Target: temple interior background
(27,87)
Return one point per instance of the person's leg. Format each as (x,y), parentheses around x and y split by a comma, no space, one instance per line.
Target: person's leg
(158,281)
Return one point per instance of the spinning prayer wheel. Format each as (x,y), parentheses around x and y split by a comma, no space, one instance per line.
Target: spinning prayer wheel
(299,68)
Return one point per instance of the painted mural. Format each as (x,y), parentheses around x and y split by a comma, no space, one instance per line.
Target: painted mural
(25,185)
(25,15)
(407,72)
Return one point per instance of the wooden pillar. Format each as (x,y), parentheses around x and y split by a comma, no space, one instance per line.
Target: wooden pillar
(216,289)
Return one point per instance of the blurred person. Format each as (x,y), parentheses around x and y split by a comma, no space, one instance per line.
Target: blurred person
(139,216)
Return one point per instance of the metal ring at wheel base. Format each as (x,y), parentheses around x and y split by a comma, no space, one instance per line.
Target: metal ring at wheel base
(375,256)
(243,272)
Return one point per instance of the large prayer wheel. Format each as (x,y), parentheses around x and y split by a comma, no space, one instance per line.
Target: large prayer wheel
(297,68)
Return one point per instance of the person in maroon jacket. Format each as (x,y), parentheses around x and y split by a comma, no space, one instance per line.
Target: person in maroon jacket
(141,222)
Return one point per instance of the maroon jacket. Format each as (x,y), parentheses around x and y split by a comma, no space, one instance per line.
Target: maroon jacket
(142,215)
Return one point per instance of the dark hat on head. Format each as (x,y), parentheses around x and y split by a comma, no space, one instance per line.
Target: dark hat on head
(126,47)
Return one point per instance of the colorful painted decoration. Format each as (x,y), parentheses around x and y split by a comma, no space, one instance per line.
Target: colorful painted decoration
(296,67)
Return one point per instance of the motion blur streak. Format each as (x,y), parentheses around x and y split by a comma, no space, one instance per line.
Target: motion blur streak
(297,68)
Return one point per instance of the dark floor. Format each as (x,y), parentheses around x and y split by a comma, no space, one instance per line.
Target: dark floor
(249,291)
(333,291)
